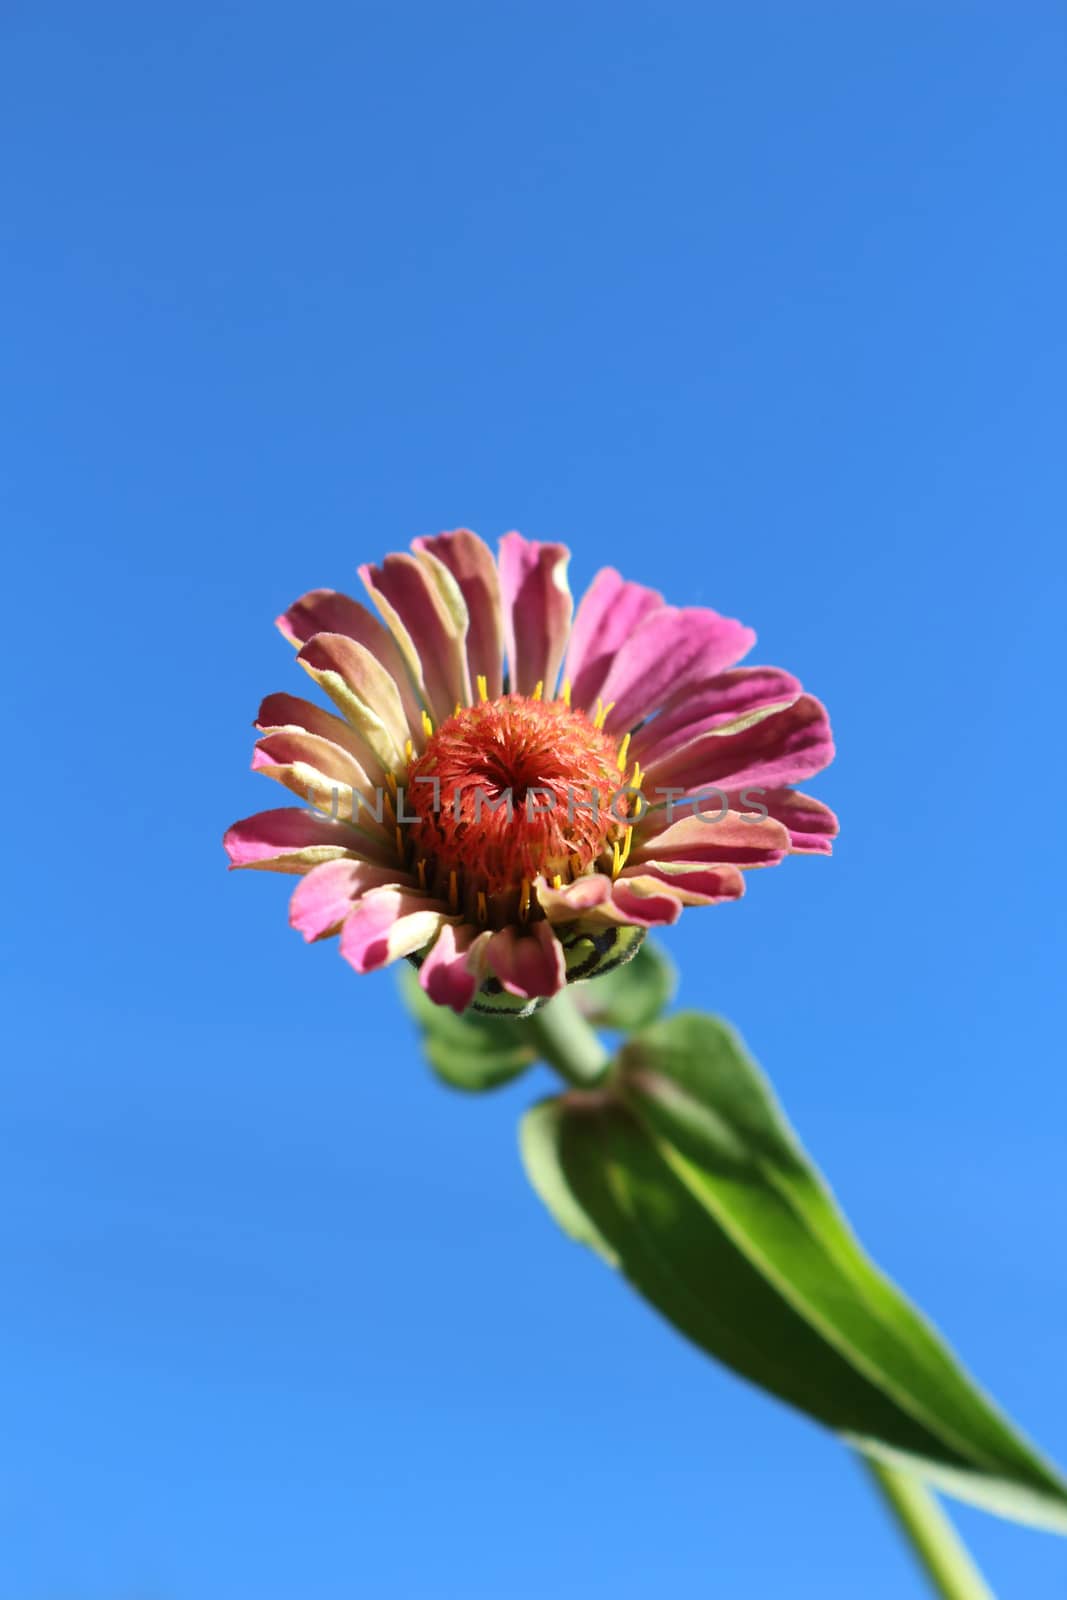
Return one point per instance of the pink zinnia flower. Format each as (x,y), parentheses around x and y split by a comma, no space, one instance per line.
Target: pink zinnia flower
(506,824)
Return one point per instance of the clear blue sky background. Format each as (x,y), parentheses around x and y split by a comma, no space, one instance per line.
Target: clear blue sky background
(763,304)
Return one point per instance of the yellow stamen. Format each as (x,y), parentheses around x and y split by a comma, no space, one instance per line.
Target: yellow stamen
(453,890)
(623,748)
(427,725)
(483,910)
(557,881)
(635,781)
(566,695)
(524,900)
(603,712)
(420,868)
(539,690)
(409,749)
(616,859)
(390,778)
(628,840)
(458,709)
(483,686)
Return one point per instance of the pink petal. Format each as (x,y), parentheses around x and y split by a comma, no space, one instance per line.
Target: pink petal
(697,840)
(288,713)
(719,701)
(427,615)
(784,748)
(537,610)
(364,691)
(470,561)
(530,964)
(388,924)
(572,901)
(321,772)
(670,652)
(645,902)
(608,613)
(289,840)
(703,886)
(327,611)
(810,824)
(594,901)
(323,899)
(455,968)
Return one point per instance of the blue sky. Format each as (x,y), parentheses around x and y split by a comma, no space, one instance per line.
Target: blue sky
(761,304)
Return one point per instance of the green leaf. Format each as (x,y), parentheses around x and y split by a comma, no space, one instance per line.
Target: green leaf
(690,1181)
(629,996)
(469,1052)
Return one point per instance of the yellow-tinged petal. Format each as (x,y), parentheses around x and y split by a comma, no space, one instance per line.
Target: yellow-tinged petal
(363,691)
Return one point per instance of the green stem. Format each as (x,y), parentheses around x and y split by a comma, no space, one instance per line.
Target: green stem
(934,1541)
(567,1042)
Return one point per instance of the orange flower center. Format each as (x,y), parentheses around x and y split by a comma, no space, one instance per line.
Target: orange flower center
(509,790)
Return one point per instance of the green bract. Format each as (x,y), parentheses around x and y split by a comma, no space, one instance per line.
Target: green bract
(629,996)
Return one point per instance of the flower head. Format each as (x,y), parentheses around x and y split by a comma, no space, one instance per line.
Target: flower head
(509,797)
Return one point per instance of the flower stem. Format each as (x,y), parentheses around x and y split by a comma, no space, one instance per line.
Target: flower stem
(934,1541)
(568,1043)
